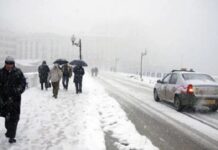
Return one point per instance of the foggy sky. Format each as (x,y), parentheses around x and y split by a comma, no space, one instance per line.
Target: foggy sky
(175,33)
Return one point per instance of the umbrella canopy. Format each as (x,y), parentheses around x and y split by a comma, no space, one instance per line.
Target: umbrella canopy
(78,63)
(60,61)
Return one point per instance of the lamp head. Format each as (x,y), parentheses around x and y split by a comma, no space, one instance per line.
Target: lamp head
(73,39)
(144,53)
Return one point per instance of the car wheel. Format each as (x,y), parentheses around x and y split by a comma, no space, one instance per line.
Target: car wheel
(177,104)
(156,97)
(213,108)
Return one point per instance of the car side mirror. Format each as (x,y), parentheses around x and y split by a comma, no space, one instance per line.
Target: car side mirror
(159,81)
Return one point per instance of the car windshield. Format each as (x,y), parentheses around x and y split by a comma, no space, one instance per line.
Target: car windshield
(195,76)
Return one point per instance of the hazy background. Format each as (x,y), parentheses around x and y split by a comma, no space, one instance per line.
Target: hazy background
(175,33)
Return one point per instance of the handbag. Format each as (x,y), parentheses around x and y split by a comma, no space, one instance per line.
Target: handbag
(48,84)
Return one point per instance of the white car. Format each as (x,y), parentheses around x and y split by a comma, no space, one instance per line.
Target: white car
(187,88)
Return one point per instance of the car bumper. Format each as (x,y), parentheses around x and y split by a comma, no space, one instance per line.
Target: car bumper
(192,100)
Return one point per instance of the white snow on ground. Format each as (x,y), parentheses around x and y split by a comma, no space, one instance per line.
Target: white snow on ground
(72,121)
(114,120)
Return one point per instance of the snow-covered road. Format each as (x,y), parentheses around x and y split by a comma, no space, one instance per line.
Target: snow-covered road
(200,131)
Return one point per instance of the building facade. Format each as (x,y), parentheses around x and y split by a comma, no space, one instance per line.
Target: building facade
(7,45)
(44,47)
(35,46)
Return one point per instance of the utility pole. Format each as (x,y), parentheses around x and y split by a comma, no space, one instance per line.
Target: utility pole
(80,49)
(79,44)
(142,54)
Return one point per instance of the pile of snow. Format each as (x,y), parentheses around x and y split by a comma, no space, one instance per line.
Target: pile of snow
(149,81)
(115,121)
(73,121)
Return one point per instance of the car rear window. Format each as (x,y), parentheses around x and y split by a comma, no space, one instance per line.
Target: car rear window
(195,76)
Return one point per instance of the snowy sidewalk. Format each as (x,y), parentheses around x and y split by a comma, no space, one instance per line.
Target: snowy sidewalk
(72,121)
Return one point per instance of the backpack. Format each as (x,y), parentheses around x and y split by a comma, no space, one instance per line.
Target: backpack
(70,71)
(67,71)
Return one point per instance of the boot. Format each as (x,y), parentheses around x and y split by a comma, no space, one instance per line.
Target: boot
(12,140)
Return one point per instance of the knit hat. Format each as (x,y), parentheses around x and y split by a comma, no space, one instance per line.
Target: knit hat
(9,60)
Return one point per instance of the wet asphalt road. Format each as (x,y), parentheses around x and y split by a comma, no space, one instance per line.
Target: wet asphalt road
(159,131)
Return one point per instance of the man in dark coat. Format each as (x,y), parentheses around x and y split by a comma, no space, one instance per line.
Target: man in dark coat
(67,73)
(43,71)
(78,77)
(12,85)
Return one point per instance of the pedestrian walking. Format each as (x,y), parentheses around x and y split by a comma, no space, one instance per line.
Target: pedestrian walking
(67,73)
(12,85)
(78,77)
(96,71)
(55,75)
(43,71)
(93,71)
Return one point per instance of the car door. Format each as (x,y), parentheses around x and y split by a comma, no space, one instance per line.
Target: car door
(162,89)
(171,87)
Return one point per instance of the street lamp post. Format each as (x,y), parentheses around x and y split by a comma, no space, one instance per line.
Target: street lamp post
(142,54)
(79,44)
(115,67)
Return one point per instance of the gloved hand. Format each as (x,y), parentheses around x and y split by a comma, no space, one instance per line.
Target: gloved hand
(16,91)
(9,101)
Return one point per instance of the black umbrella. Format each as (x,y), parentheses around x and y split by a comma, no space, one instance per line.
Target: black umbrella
(78,63)
(60,61)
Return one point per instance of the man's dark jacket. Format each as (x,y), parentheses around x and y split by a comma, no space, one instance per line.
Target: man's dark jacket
(12,85)
(43,73)
(67,71)
(78,74)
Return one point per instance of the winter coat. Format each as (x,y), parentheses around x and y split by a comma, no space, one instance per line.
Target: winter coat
(43,71)
(55,74)
(67,71)
(78,74)
(12,85)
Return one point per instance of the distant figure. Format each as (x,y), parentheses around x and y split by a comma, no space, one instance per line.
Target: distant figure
(55,75)
(43,71)
(12,85)
(67,73)
(93,71)
(96,71)
(78,77)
